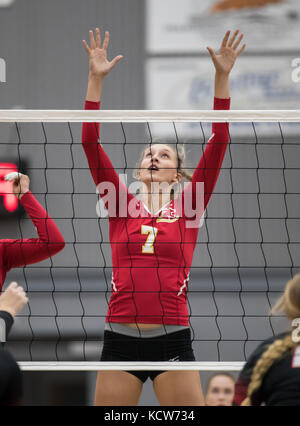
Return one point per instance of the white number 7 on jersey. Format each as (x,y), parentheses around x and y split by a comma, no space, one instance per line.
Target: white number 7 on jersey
(148,246)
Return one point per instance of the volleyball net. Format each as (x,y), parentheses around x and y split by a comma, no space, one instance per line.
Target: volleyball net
(248,244)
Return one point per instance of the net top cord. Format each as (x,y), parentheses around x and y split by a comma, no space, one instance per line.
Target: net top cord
(148,116)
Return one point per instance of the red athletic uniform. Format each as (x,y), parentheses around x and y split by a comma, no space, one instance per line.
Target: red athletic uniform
(15,253)
(152,254)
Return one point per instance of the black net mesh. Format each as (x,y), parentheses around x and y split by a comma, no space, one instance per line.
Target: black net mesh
(247,247)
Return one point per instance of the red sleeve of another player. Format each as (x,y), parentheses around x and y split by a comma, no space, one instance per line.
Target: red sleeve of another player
(27,251)
(241,389)
(241,392)
(101,168)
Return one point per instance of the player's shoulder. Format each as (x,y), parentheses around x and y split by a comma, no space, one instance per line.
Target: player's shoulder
(268,342)
(260,349)
(279,336)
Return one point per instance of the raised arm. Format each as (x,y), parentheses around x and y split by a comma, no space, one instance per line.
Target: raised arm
(99,65)
(22,252)
(209,166)
(224,61)
(101,168)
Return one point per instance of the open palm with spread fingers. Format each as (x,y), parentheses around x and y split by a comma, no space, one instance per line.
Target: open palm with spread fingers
(230,49)
(99,64)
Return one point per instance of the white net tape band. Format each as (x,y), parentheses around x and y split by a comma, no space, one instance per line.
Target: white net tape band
(132,365)
(148,116)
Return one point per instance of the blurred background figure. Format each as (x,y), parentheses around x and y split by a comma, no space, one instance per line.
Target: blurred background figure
(220,390)
(12,301)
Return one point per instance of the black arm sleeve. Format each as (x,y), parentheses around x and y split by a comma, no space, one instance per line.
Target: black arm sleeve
(8,320)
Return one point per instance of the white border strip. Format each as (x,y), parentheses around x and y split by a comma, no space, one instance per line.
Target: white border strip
(94,366)
(147,116)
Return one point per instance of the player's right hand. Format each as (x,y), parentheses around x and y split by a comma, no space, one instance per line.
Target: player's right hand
(20,183)
(13,299)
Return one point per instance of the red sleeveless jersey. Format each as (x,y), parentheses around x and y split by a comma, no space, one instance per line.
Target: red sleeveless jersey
(152,253)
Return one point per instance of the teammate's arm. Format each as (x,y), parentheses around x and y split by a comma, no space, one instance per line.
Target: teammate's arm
(22,252)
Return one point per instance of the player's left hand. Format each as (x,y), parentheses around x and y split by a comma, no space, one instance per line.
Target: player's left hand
(230,49)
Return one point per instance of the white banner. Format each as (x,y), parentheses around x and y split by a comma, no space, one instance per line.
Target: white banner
(180,26)
(6,3)
(255,83)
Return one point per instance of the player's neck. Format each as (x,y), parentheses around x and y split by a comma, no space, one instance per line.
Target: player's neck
(154,202)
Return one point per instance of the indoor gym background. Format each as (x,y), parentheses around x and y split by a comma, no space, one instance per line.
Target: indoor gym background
(233,283)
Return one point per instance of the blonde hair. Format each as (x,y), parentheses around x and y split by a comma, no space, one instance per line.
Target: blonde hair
(289,303)
(180,155)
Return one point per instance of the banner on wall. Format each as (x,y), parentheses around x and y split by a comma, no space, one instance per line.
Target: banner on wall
(6,3)
(177,26)
(255,83)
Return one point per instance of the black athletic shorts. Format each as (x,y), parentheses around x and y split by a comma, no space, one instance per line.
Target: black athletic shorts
(175,346)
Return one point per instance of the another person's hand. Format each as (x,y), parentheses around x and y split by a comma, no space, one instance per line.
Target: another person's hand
(98,62)
(20,183)
(13,299)
(225,58)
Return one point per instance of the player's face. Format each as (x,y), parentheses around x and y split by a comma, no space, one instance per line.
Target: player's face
(220,392)
(159,164)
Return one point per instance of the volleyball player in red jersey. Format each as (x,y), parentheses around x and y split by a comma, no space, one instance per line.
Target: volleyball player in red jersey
(25,251)
(152,249)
